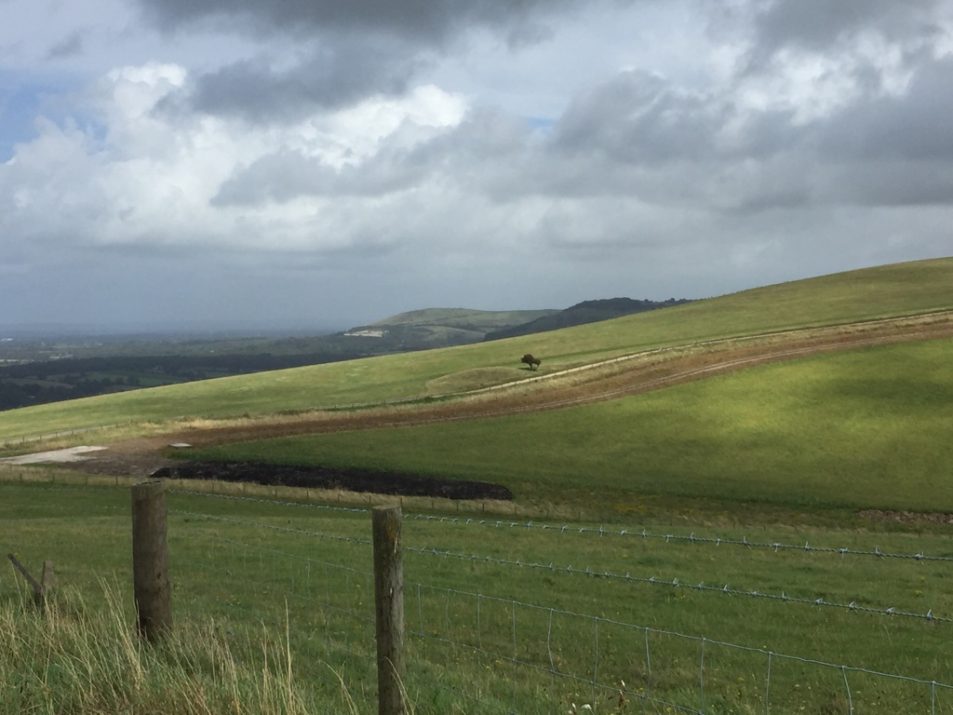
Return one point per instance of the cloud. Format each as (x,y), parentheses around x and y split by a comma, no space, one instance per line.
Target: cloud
(340,52)
(69,46)
(816,25)
(331,77)
(148,180)
(640,139)
(640,118)
(425,22)
(907,126)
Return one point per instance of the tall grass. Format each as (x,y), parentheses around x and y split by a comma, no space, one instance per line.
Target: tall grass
(75,657)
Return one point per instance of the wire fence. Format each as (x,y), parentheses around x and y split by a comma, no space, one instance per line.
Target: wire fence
(560,657)
(493,633)
(593,573)
(696,535)
(475,638)
(554,658)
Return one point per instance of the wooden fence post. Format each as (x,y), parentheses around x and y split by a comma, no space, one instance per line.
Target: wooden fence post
(150,560)
(389,610)
(40,588)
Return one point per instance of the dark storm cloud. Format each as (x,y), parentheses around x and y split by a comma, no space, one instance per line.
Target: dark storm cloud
(334,76)
(430,22)
(915,125)
(817,24)
(364,47)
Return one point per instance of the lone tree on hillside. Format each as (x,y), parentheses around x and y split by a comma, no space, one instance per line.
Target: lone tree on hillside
(531,362)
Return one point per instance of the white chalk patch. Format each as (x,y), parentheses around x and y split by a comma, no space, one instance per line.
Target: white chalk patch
(59,456)
(180,445)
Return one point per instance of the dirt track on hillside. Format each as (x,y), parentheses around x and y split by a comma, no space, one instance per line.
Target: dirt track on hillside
(618,377)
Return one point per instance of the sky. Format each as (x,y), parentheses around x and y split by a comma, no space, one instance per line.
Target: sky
(297,163)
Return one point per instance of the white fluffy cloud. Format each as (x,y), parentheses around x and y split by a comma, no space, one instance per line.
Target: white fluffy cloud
(138,175)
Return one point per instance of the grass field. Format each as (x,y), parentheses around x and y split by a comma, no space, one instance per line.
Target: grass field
(860,295)
(861,429)
(483,636)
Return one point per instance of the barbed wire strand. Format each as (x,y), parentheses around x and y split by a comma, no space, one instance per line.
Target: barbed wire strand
(776,546)
(478,598)
(675,583)
(703,641)
(626,577)
(668,537)
(273,527)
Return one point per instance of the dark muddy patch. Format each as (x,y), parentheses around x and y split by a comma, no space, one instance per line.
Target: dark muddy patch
(354,480)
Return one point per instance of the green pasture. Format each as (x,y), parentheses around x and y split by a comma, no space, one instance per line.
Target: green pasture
(899,289)
(483,637)
(868,428)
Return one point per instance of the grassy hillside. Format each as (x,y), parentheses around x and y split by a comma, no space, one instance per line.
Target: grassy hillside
(859,295)
(862,429)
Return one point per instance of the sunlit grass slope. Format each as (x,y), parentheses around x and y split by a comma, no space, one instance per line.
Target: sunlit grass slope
(866,428)
(858,295)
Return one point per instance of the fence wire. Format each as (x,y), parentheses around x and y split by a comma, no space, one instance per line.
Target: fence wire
(695,537)
(673,538)
(676,583)
(525,635)
(723,589)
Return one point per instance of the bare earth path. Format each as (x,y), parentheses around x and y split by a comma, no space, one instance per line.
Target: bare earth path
(610,379)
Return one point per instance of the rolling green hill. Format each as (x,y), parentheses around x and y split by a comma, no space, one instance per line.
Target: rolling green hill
(867,294)
(862,429)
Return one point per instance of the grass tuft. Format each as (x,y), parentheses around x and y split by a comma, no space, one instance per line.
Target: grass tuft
(78,658)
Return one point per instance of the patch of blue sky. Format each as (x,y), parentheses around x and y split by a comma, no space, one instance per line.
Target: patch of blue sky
(23,99)
(541,126)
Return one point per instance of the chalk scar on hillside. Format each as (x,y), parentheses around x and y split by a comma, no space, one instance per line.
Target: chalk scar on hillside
(55,456)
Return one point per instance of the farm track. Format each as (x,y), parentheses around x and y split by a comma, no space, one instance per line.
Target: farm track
(607,380)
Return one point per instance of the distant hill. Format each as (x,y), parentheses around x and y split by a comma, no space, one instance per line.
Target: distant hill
(589,311)
(34,371)
(441,327)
